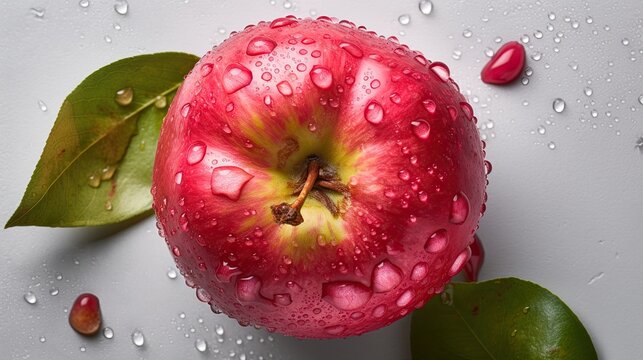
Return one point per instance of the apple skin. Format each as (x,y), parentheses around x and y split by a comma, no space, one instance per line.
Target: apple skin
(393,126)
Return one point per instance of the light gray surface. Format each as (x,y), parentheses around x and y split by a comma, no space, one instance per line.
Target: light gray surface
(568,218)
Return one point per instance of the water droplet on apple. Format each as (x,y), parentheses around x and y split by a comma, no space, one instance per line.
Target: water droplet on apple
(185,110)
(403,175)
(183,222)
(441,71)
(229,181)
(178,178)
(84,316)
(386,277)
(277,23)
(437,241)
(452,112)
(395,98)
(423,196)
(487,167)
(203,295)
(248,289)
(301,67)
(236,77)
(352,49)
(374,113)
(419,272)
(138,338)
(206,69)
(430,106)
(225,272)
(284,88)
(421,128)
(460,261)
(459,208)
(176,251)
(124,96)
(379,311)
(196,153)
(321,77)
(335,329)
(282,299)
(405,298)
(260,46)
(346,295)
(467,110)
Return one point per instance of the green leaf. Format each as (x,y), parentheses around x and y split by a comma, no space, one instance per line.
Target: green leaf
(96,167)
(498,319)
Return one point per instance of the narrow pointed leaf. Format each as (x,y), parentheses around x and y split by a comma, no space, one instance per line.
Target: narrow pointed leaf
(498,319)
(96,167)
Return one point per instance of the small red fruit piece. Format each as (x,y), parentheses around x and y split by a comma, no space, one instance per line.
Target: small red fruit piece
(506,65)
(85,317)
(473,266)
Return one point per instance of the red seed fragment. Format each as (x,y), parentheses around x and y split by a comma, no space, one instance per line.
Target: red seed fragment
(506,65)
(85,317)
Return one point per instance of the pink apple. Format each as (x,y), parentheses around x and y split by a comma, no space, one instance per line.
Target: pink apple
(318,180)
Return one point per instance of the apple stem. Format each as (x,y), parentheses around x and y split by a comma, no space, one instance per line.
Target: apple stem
(290,214)
(313,172)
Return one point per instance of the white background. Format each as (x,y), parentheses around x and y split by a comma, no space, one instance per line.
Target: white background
(568,218)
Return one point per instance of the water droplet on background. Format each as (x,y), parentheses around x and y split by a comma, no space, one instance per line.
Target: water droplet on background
(83,3)
(30,297)
(404,19)
(42,105)
(121,7)
(559,105)
(201,345)
(172,274)
(138,338)
(38,12)
(108,333)
(426,7)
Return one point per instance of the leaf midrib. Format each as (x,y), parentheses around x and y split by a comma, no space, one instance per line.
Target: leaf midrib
(473,333)
(91,145)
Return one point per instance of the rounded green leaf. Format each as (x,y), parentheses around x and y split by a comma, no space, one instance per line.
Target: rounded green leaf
(96,167)
(498,319)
